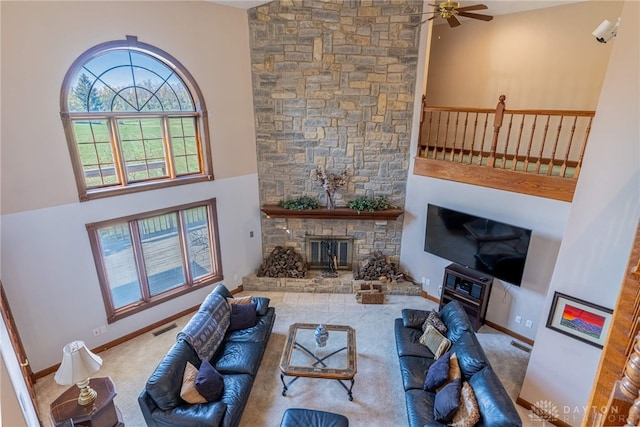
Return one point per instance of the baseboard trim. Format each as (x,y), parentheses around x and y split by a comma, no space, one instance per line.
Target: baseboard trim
(510,332)
(546,417)
(429,297)
(43,373)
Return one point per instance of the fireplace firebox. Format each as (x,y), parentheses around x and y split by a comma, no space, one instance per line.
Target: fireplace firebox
(329,252)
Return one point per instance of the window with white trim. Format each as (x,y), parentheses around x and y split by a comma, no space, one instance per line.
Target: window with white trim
(134,119)
(146,259)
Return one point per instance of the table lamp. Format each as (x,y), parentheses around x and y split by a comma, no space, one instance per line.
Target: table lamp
(78,364)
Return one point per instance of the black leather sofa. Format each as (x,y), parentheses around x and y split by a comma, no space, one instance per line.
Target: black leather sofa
(495,406)
(237,358)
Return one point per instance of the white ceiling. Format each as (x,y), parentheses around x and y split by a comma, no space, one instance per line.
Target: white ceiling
(495,7)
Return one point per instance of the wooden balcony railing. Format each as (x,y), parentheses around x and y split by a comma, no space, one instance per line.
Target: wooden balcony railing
(537,152)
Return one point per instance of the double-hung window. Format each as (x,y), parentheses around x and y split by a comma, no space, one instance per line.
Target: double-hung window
(134,119)
(146,259)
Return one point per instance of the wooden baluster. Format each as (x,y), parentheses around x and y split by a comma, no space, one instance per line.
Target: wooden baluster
(446,136)
(630,383)
(422,141)
(634,414)
(584,146)
(455,138)
(515,159)
(563,168)
(555,148)
(484,133)
(544,140)
(506,144)
(473,139)
(533,131)
(464,137)
(497,124)
(435,142)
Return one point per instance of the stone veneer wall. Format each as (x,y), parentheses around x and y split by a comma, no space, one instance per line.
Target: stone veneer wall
(333,86)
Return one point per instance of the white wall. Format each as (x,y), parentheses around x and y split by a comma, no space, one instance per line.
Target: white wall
(604,215)
(50,276)
(546,217)
(47,266)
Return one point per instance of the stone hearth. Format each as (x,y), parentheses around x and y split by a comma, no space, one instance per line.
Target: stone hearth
(314,282)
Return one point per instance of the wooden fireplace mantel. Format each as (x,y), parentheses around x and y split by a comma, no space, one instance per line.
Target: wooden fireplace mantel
(275,211)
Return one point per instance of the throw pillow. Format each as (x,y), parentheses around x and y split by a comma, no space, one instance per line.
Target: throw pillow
(242,316)
(447,401)
(434,320)
(209,382)
(262,305)
(438,373)
(468,414)
(434,341)
(240,300)
(188,391)
(454,367)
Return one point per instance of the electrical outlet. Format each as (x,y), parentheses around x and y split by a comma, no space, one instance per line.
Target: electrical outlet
(103,329)
(424,281)
(529,323)
(518,319)
(96,332)
(251,234)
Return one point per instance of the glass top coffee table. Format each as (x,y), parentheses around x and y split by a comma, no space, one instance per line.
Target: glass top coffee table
(302,357)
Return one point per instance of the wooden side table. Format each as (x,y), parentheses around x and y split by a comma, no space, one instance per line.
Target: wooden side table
(101,413)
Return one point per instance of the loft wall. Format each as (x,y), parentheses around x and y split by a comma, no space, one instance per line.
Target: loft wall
(333,86)
(544,58)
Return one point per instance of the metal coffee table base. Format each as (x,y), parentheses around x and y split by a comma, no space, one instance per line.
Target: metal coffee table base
(319,361)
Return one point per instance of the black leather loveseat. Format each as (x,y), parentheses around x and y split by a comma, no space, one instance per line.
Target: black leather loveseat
(236,355)
(493,402)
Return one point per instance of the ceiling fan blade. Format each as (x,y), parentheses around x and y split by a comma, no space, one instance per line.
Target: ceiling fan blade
(474,7)
(453,21)
(476,16)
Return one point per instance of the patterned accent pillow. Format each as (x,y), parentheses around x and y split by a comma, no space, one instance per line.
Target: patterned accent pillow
(434,320)
(206,329)
(434,341)
(188,392)
(468,413)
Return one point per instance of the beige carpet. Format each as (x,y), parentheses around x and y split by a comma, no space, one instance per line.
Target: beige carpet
(378,396)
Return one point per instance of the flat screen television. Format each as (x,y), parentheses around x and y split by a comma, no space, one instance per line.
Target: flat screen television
(482,244)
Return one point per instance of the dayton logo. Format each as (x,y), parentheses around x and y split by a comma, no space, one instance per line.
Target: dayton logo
(544,410)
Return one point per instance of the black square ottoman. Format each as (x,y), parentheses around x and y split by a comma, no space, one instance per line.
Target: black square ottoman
(298,417)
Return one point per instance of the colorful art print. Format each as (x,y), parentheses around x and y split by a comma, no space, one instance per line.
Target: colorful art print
(579,319)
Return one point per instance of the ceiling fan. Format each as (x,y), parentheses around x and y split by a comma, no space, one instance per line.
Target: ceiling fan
(450,9)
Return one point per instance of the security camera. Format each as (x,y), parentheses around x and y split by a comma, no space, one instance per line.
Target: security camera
(606,31)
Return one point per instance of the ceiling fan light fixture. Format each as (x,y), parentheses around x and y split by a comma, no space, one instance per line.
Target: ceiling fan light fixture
(447,9)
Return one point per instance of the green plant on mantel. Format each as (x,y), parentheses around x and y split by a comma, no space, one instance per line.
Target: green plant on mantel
(363,203)
(301,203)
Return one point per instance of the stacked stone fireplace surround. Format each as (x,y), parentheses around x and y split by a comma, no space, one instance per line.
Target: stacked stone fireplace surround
(333,86)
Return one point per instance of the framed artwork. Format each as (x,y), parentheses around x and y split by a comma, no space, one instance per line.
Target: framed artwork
(579,319)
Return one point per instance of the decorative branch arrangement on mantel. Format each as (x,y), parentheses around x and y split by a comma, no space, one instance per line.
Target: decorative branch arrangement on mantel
(275,211)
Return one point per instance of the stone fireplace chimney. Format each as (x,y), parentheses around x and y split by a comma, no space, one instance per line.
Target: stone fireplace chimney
(333,86)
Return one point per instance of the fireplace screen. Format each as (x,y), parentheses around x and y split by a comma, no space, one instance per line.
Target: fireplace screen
(329,252)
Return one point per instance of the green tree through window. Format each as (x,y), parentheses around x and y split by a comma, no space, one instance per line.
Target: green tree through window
(134,119)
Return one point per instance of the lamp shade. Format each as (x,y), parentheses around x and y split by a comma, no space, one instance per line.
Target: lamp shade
(78,364)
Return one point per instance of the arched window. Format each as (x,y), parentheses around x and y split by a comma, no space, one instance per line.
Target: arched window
(134,119)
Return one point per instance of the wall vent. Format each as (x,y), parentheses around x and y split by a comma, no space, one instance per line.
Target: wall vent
(165,329)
